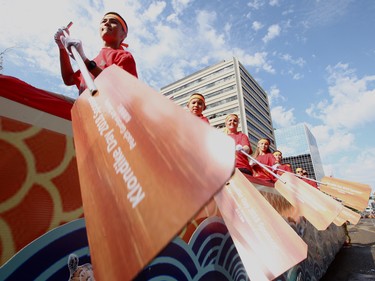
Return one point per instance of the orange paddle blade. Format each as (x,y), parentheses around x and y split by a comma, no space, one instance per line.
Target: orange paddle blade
(315,206)
(352,194)
(146,166)
(267,245)
(347,215)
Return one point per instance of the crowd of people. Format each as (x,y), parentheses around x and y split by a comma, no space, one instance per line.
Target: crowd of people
(113,29)
(263,163)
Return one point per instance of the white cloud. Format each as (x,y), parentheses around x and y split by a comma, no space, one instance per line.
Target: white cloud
(282,117)
(227,28)
(288,58)
(272,32)
(332,140)
(173,18)
(274,95)
(256,25)
(257,60)
(256,4)
(154,10)
(297,76)
(359,167)
(274,3)
(323,13)
(352,99)
(180,5)
(206,30)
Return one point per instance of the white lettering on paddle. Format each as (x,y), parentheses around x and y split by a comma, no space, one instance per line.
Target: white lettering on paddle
(124,115)
(122,166)
(110,140)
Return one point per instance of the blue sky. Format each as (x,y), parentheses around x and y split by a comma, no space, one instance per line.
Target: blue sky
(315,59)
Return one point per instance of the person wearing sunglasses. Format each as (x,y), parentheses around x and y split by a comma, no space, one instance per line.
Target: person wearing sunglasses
(302,174)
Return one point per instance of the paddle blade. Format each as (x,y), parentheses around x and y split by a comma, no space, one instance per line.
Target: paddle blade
(352,194)
(146,166)
(314,205)
(267,245)
(347,215)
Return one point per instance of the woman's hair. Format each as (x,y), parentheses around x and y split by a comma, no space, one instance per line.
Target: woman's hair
(226,119)
(257,151)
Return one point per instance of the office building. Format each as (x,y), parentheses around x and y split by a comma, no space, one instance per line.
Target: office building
(300,149)
(228,88)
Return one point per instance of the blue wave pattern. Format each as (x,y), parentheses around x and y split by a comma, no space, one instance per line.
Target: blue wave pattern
(46,258)
(209,255)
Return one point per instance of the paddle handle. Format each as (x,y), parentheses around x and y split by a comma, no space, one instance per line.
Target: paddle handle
(298,176)
(85,72)
(82,67)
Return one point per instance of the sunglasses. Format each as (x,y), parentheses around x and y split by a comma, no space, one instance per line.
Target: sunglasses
(299,171)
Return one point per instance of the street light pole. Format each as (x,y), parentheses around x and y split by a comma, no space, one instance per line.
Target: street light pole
(2,57)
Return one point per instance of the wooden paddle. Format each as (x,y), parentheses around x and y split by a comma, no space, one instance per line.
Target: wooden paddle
(352,194)
(347,215)
(314,205)
(344,215)
(146,166)
(267,245)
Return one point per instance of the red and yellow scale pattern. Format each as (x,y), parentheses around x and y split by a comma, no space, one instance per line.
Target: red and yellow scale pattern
(39,184)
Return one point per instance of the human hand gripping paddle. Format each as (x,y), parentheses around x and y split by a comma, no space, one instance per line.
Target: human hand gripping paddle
(75,50)
(266,243)
(146,167)
(345,215)
(316,207)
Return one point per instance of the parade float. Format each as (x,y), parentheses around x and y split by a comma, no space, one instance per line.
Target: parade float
(69,210)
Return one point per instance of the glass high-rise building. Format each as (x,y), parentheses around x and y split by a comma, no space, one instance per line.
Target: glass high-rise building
(228,88)
(300,149)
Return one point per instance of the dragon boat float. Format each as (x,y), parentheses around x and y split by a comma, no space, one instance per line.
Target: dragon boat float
(92,191)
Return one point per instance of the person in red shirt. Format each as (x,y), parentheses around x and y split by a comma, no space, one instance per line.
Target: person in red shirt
(113,31)
(264,155)
(302,174)
(231,129)
(308,180)
(196,105)
(279,166)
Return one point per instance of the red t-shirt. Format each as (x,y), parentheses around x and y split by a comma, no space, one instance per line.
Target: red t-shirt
(310,182)
(267,159)
(107,57)
(241,159)
(204,118)
(284,167)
